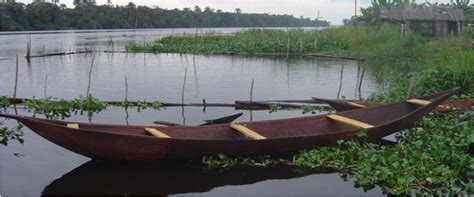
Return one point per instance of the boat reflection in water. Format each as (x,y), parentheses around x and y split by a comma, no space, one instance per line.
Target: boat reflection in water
(105,178)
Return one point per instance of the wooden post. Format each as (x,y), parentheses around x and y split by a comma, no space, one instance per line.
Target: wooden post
(251,97)
(90,76)
(184,86)
(126,89)
(16,79)
(251,91)
(340,81)
(360,83)
(45,85)
(28,49)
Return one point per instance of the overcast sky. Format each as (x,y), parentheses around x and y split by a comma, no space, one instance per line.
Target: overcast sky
(331,10)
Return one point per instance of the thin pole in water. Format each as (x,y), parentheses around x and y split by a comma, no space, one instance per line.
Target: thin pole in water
(90,76)
(126,89)
(45,85)
(340,81)
(16,79)
(182,96)
(360,83)
(251,99)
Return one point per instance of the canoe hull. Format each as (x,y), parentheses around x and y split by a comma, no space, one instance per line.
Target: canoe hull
(117,142)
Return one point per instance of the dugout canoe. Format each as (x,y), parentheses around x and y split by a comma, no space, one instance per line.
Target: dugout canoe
(120,142)
(343,105)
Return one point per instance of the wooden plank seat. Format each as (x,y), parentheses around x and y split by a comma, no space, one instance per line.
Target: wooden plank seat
(247,132)
(356,104)
(73,126)
(157,133)
(425,102)
(419,102)
(349,121)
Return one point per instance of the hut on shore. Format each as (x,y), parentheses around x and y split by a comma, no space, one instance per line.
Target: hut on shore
(431,19)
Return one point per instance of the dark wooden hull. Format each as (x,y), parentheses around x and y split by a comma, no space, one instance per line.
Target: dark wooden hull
(342,105)
(117,142)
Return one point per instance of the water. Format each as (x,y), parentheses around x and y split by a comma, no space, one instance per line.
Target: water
(40,167)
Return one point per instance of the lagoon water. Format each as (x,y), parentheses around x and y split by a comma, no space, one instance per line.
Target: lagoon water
(40,167)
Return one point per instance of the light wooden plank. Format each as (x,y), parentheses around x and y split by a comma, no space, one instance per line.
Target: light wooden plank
(157,133)
(73,126)
(349,121)
(356,104)
(418,102)
(247,132)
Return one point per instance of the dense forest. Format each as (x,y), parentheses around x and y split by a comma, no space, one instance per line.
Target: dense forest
(49,16)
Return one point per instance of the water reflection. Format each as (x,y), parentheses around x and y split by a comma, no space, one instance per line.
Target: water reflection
(162,178)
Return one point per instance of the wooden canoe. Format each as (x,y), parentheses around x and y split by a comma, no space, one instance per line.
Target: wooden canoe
(343,105)
(118,142)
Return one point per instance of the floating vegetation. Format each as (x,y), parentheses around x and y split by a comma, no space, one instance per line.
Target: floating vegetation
(223,161)
(10,134)
(50,107)
(4,101)
(383,40)
(142,105)
(307,108)
(274,108)
(428,159)
(89,104)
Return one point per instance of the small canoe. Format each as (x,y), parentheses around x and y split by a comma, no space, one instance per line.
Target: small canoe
(343,105)
(120,142)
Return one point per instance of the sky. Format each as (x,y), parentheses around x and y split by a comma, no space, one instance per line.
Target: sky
(330,10)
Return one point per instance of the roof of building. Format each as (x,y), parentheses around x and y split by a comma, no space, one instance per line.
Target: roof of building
(423,12)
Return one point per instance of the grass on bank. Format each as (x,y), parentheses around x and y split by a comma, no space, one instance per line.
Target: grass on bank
(369,42)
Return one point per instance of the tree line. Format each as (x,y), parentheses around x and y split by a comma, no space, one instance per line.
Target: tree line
(370,15)
(49,16)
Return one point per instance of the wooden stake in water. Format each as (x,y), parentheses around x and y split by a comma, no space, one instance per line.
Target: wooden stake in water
(251,99)
(16,79)
(360,82)
(126,89)
(90,76)
(184,86)
(182,96)
(251,91)
(45,85)
(340,81)
(28,50)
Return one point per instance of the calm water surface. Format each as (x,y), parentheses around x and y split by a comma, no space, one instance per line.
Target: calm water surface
(40,167)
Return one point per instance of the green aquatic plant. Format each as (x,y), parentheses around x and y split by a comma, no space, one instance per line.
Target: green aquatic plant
(274,108)
(7,134)
(307,108)
(89,104)
(4,101)
(223,161)
(428,159)
(50,107)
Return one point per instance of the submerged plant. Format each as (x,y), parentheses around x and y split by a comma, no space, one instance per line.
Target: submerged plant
(7,134)
(274,108)
(4,101)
